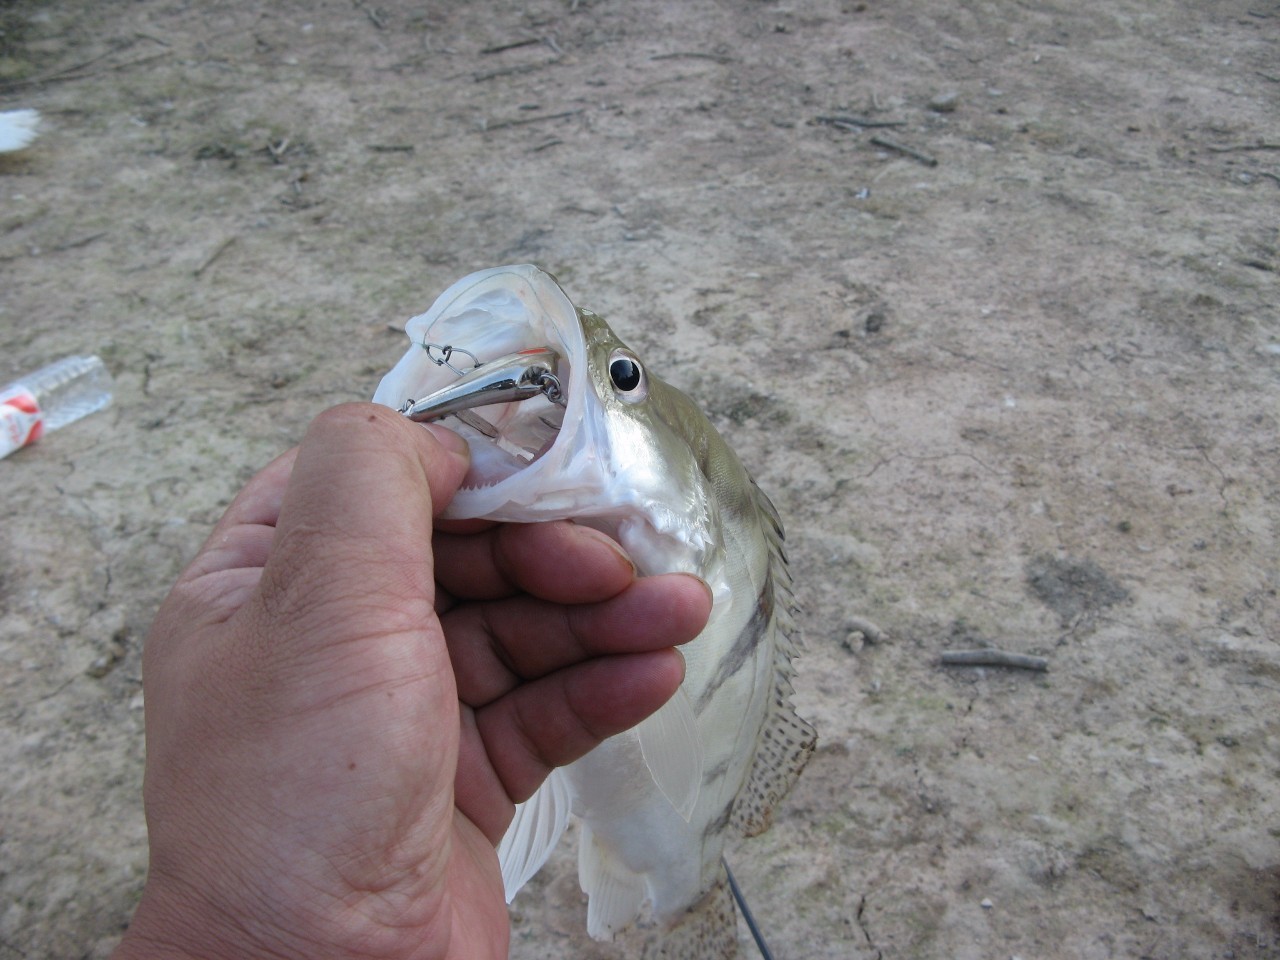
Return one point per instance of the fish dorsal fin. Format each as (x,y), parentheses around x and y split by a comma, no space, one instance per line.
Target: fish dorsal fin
(535,829)
(786,739)
(672,750)
(614,893)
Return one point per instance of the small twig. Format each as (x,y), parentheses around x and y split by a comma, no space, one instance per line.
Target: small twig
(63,72)
(1254,683)
(513,45)
(390,147)
(992,658)
(545,116)
(277,150)
(70,74)
(222,248)
(856,122)
(692,55)
(1267,173)
(1241,147)
(924,158)
(82,242)
(482,75)
(376,18)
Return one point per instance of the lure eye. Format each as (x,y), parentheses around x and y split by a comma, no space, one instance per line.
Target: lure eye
(628,377)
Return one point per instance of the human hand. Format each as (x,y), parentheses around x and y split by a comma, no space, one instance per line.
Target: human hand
(342,704)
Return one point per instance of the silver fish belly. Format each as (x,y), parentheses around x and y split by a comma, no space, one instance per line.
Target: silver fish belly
(607,443)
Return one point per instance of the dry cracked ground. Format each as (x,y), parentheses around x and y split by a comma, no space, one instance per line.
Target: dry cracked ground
(1013,386)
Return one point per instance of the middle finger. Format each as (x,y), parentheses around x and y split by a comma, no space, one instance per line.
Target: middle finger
(557,560)
(497,645)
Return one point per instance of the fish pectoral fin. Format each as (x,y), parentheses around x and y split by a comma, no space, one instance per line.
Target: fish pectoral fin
(535,830)
(672,750)
(614,893)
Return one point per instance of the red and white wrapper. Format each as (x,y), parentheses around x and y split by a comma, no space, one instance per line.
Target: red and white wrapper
(21,421)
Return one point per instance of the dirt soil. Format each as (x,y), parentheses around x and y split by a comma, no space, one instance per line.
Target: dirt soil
(1015,390)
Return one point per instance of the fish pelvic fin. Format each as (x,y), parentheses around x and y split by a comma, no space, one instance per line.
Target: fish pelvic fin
(786,739)
(614,893)
(672,750)
(706,931)
(535,830)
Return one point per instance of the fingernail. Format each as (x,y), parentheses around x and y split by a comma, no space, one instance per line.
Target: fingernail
(711,594)
(611,543)
(451,441)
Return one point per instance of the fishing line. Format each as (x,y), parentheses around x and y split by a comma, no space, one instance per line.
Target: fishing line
(741,901)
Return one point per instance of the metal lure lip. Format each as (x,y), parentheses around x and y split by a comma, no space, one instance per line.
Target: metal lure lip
(514,377)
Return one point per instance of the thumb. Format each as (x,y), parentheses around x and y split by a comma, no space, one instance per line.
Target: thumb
(352,549)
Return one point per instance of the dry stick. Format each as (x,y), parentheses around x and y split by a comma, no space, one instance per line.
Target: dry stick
(376,18)
(924,158)
(843,121)
(483,75)
(513,45)
(545,116)
(222,248)
(68,74)
(1237,147)
(690,55)
(992,658)
(82,242)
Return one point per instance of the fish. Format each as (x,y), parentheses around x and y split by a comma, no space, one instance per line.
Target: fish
(565,421)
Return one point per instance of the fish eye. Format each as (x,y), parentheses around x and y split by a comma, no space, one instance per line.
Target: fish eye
(628,377)
(625,374)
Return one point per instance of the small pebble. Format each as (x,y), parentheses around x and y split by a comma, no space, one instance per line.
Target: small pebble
(104,664)
(945,102)
(986,903)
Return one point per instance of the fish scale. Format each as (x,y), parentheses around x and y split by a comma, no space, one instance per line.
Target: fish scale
(634,457)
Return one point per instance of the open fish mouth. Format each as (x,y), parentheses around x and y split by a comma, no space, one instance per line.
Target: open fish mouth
(500,355)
